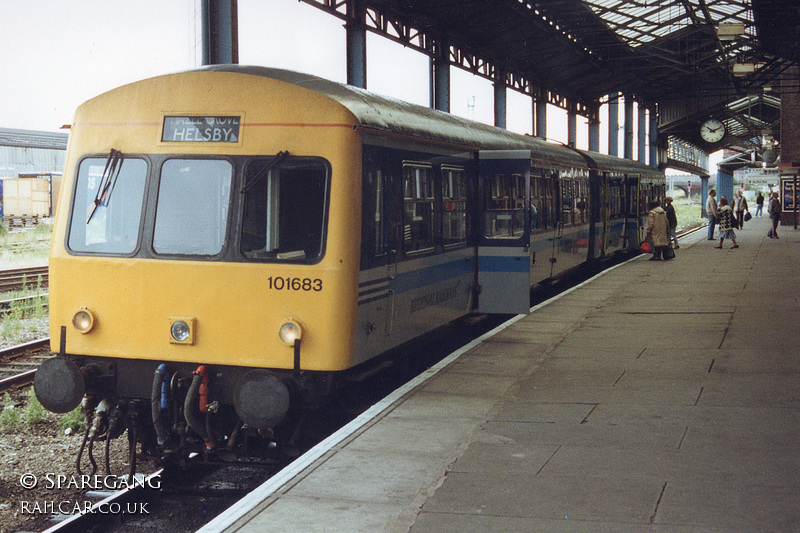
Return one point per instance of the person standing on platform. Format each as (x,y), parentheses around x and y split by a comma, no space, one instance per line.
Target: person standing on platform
(672,220)
(657,227)
(726,223)
(774,212)
(740,203)
(711,211)
(759,204)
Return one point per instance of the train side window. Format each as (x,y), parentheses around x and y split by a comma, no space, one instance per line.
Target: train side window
(504,206)
(454,206)
(418,201)
(114,224)
(379,236)
(567,202)
(192,210)
(284,209)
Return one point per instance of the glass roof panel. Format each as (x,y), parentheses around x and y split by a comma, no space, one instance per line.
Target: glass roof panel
(639,21)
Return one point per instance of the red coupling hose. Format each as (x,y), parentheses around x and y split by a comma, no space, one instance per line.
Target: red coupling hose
(203,391)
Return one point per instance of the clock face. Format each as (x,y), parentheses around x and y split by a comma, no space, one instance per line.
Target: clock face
(712,130)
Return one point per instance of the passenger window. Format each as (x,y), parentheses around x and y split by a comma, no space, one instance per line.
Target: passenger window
(284,209)
(418,202)
(567,202)
(454,206)
(379,228)
(504,206)
(192,209)
(582,201)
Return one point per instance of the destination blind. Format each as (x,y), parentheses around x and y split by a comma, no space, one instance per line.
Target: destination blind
(201,129)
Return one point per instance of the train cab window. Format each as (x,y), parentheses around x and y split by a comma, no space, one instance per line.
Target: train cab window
(110,226)
(192,210)
(284,209)
(418,194)
(454,206)
(504,206)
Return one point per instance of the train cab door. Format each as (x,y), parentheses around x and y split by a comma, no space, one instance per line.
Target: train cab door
(504,257)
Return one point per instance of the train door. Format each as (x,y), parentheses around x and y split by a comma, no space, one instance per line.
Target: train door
(557,259)
(544,224)
(504,257)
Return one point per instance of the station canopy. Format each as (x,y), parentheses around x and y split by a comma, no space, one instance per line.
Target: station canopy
(695,59)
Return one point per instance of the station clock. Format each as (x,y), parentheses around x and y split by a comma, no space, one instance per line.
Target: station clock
(712,130)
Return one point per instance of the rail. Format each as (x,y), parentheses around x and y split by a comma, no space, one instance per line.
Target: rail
(15,279)
(17,377)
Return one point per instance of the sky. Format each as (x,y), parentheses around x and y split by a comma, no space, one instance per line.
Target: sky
(55,54)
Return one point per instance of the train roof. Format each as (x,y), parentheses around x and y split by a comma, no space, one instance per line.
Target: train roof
(386,114)
(610,163)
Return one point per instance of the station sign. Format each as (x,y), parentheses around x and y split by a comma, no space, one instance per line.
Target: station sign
(761,176)
(194,129)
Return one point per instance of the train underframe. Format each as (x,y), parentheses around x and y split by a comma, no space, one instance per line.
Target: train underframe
(173,411)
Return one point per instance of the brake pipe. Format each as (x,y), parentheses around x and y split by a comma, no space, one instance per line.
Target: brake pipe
(159,403)
(193,397)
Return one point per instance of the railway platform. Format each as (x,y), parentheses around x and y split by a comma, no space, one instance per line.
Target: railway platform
(656,397)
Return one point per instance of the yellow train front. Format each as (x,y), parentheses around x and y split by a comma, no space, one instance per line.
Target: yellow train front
(203,265)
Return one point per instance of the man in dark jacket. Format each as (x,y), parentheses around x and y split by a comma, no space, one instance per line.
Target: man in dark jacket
(672,219)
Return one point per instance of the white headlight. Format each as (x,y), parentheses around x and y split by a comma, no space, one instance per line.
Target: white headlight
(290,332)
(83,320)
(180,330)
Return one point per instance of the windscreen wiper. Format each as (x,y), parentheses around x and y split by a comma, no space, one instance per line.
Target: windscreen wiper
(274,162)
(107,181)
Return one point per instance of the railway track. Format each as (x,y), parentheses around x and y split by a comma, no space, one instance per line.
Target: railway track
(24,305)
(15,279)
(18,363)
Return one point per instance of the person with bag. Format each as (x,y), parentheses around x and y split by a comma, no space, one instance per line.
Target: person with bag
(726,223)
(740,203)
(657,227)
(711,211)
(672,219)
(774,212)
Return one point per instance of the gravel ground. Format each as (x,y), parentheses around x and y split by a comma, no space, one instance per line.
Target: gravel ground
(31,329)
(44,451)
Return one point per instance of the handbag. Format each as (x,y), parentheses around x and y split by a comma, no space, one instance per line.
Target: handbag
(645,247)
(669,253)
(747,216)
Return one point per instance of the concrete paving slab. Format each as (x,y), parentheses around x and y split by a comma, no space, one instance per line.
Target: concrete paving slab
(290,514)
(568,497)
(745,506)
(427,406)
(368,476)
(470,384)
(504,457)
(449,523)
(665,437)
(396,435)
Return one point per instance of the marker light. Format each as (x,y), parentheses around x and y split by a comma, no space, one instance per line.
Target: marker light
(290,332)
(83,320)
(181,330)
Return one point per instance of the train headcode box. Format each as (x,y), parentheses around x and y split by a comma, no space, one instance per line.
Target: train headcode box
(201,129)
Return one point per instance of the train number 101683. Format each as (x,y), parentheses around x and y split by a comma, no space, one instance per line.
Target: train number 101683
(294,284)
